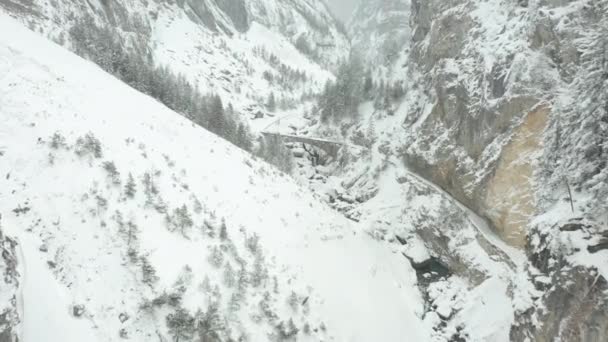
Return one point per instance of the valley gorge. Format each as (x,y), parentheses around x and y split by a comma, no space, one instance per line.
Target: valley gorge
(259,171)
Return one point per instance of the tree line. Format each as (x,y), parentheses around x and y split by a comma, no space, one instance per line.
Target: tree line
(353,85)
(132,63)
(286,76)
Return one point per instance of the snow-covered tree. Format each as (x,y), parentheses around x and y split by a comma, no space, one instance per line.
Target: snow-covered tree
(259,273)
(216,257)
(287,331)
(210,325)
(217,119)
(579,153)
(130,187)
(273,151)
(181,220)
(223,231)
(229,275)
(271,104)
(341,98)
(181,325)
(112,172)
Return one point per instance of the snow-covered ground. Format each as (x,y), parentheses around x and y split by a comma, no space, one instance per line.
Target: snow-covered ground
(88,249)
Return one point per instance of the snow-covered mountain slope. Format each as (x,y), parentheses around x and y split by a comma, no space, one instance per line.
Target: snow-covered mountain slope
(237,49)
(133,223)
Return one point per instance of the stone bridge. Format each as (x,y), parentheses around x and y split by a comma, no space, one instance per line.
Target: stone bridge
(328,146)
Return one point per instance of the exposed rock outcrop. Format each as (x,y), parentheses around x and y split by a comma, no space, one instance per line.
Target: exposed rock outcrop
(509,201)
(574,297)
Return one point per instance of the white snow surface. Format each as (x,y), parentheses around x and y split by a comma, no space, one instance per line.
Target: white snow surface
(358,288)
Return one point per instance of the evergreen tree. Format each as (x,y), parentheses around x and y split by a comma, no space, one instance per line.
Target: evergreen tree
(341,98)
(244,138)
(272,150)
(242,281)
(216,258)
(230,130)
(229,276)
(223,231)
(234,305)
(217,120)
(130,187)
(113,173)
(210,325)
(287,331)
(180,220)
(266,307)
(580,130)
(271,104)
(181,325)
(253,243)
(148,272)
(294,301)
(369,83)
(398,91)
(131,232)
(260,273)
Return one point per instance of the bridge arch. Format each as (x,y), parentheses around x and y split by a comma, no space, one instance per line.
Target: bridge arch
(328,146)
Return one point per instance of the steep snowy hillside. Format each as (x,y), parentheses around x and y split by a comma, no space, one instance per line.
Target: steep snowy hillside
(242,50)
(132,223)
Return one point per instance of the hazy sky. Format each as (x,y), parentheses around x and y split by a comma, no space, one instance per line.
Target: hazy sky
(342,8)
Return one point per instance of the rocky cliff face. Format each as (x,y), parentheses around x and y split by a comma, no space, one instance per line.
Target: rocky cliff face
(498,78)
(491,88)
(505,109)
(573,294)
(379,29)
